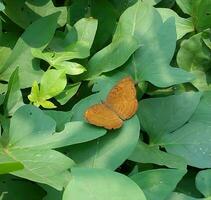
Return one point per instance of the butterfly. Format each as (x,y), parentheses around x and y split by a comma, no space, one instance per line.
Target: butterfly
(120,104)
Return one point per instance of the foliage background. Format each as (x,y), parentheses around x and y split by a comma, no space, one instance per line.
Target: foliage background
(59,57)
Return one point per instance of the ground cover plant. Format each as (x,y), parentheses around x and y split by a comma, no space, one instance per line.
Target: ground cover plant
(58,58)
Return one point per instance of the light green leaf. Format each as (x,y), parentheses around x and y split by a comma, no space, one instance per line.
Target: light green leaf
(158,182)
(183,26)
(47,104)
(2,7)
(52,83)
(102,184)
(71,68)
(109,151)
(67,93)
(22,50)
(160,116)
(203,182)
(35,92)
(13,98)
(7,167)
(47,56)
(24,13)
(144,153)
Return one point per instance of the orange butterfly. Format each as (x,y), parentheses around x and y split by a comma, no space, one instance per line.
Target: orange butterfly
(120,104)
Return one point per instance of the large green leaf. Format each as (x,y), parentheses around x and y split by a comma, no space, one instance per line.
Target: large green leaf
(151,62)
(158,182)
(38,130)
(43,166)
(28,67)
(101,184)
(160,116)
(109,151)
(183,26)
(192,141)
(24,12)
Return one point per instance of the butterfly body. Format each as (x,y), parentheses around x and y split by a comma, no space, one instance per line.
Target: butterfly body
(120,104)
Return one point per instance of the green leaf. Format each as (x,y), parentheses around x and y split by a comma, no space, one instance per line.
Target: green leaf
(52,194)
(52,83)
(158,182)
(127,39)
(12,187)
(109,151)
(85,30)
(201,14)
(6,167)
(103,11)
(2,7)
(144,153)
(103,184)
(31,121)
(112,56)
(195,56)
(60,117)
(151,61)
(22,50)
(47,104)
(183,26)
(71,68)
(24,13)
(181,196)
(7,42)
(38,131)
(43,166)
(166,113)
(13,98)
(203,182)
(185,5)
(67,93)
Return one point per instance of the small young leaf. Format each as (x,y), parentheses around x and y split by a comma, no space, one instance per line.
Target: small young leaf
(52,83)
(70,68)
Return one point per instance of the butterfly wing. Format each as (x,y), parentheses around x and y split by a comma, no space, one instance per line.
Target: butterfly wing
(101,115)
(122,98)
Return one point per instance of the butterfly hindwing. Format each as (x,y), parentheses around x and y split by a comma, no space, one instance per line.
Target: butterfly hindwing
(122,99)
(101,115)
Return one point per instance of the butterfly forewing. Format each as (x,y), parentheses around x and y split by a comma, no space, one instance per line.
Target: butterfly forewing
(101,115)
(122,99)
